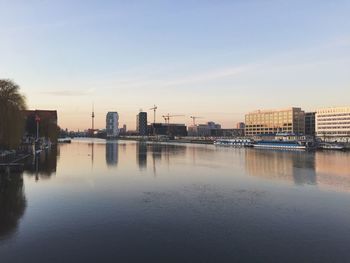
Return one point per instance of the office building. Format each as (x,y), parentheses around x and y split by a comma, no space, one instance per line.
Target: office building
(269,122)
(310,123)
(122,131)
(205,130)
(240,125)
(171,129)
(141,123)
(112,123)
(333,123)
(232,132)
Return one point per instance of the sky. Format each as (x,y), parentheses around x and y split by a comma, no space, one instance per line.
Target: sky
(213,59)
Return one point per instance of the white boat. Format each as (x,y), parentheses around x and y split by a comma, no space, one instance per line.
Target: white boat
(278,144)
(64,140)
(234,142)
(330,146)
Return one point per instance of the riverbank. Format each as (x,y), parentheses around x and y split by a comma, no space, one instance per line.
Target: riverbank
(207,141)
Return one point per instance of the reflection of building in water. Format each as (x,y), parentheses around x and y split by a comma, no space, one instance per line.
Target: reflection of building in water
(160,152)
(112,153)
(333,170)
(141,154)
(297,167)
(12,203)
(42,165)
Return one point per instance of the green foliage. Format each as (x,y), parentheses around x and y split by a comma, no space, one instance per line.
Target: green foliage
(12,104)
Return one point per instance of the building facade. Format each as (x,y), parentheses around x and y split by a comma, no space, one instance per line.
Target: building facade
(310,123)
(170,129)
(269,122)
(205,130)
(232,132)
(112,123)
(240,125)
(141,123)
(333,123)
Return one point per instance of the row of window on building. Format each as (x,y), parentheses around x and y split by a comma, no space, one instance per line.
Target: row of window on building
(322,122)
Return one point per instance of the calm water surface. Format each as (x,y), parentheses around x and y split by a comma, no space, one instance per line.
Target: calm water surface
(134,202)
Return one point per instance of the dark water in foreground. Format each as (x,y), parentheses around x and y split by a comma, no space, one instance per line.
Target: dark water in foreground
(130,202)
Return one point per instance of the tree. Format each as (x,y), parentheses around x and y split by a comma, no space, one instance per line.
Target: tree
(12,105)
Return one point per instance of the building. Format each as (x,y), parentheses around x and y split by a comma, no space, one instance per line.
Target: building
(122,131)
(333,124)
(310,123)
(112,123)
(240,125)
(232,132)
(141,123)
(47,124)
(170,129)
(269,122)
(205,130)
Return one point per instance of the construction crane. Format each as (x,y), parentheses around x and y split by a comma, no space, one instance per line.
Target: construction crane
(194,119)
(154,108)
(168,116)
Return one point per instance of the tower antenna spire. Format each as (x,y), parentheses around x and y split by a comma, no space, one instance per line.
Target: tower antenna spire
(92,117)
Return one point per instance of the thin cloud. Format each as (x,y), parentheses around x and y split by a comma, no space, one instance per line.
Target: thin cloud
(185,80)
(68,92)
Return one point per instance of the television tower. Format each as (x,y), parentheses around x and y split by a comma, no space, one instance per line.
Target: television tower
(92,117)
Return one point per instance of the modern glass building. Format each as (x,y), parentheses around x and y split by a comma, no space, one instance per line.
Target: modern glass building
(270,122)
(141,123)
(112,123)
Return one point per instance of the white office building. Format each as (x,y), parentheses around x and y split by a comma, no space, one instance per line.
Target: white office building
(112,123)
(333,124)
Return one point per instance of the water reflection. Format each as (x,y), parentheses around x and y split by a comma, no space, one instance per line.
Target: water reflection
(44,165)
(141,155)
(160,153)
(333,170)
(211,202)
(12,203)
(293,166)
(112,149)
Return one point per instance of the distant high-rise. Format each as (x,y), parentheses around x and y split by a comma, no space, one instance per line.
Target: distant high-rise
(112,123)
(141,123)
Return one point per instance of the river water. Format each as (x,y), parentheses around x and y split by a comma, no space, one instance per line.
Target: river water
(92,201)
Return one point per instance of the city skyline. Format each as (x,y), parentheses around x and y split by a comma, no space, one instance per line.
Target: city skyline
(218,61)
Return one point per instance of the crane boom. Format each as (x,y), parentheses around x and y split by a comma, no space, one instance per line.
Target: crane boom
(194,119)
(168,116)
(154,108)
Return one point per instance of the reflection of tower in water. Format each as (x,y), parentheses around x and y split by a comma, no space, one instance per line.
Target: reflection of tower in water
(141,154)
(91,145)
(112,153)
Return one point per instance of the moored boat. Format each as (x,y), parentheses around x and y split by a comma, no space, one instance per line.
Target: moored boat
(64,140)
(280,144)
(331,146)
(234,142)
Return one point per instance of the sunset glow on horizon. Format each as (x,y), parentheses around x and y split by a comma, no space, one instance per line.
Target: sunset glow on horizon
(217,60)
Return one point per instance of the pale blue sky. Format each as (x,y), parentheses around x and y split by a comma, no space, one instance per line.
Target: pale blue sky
(216,59)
